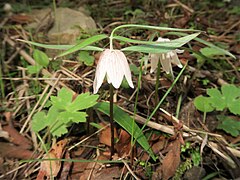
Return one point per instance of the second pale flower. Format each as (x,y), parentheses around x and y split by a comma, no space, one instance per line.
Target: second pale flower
(112,64)
(165,58)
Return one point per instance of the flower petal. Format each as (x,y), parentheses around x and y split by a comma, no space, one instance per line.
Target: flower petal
(100,71)
(125,67)
(154,58)
(115,72)
(166,63)
(175,60)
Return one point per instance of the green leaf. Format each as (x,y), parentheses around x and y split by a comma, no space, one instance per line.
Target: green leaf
(83,44)
(83,101)
(204,42)
(41,58)
(39,121)
(34,69)
(134,69)
(202,103)
(124,120)
(211,52)
(86,58)
(162,47)
(58,130)
(229,125)
(61,47)
(73,116)
(63,99)
(231,95)
(138,26)
(216,99)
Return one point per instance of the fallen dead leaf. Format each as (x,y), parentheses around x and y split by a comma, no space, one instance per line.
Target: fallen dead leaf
(105,135)
(171,161)
(66,167)
(123,146)
(15,137)
(12,151)
(51,168)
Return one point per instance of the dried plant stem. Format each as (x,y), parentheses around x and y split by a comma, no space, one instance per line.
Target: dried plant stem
(111,120)
(156,89)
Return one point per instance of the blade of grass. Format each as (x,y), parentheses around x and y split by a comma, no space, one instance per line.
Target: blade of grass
(61,47)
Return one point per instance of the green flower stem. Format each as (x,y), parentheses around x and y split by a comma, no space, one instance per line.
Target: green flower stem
(156,89)
(111,120)
(163,98)
(135,112)
(138,26)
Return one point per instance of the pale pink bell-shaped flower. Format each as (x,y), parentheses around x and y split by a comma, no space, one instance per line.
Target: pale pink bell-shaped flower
(165,58)
(114,65)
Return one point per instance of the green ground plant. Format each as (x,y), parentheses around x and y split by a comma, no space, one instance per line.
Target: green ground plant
(63,112)
(228,99)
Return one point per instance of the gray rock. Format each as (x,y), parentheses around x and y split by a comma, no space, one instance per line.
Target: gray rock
(68,26)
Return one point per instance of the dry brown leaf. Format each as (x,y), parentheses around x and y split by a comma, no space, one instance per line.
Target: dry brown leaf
(105,135)
(15,136)
(66,167)
(123,146)
(51,168)
(171,161)
(12,151)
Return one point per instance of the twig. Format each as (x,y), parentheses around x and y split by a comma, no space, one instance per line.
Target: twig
(130,170)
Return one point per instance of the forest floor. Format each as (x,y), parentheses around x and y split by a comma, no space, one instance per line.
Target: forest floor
(195,134)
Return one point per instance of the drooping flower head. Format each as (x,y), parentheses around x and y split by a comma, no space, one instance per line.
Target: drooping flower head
(165,58)
(112,64)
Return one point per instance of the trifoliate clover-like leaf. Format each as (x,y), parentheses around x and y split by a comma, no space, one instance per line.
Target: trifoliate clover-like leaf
(59,130)
(216,99)
(229,125)
(203,104)
(83,101)
(231,94)
(41,119)
(63,99)
(228,97)
(73,116)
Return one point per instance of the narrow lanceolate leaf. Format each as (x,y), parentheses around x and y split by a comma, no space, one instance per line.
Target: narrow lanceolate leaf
(83,44)
(162,47)
(204,42)
(61,47)
(137,26)
(124,120)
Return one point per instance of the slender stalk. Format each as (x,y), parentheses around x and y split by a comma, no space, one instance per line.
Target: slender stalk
(162,99)
(133,149)
(111,120)
(156,89)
